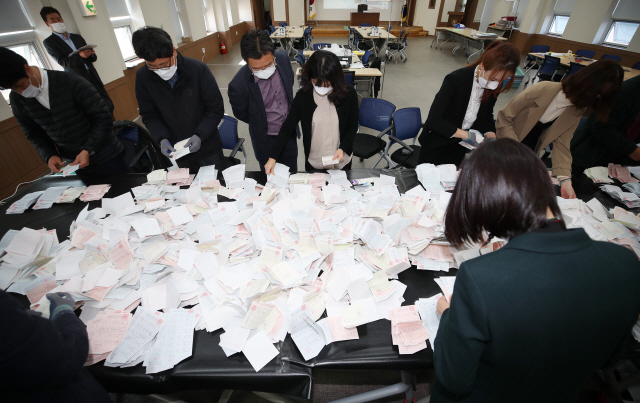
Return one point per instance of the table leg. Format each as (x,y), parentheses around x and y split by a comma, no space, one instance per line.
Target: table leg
(447,40)
(475,53)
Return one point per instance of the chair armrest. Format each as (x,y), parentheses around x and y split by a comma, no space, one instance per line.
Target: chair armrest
(385,131)
(402,143)
(135,159)
(236,148)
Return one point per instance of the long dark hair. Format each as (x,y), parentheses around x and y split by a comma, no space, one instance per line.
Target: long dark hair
(594,88)
(325,67)
(503,189)
(499,57)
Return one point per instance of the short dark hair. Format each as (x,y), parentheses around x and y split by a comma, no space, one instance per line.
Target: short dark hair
(151,43)
(503,189)
(595,87)
(11,68)
(255,44)
(324,66)
(48,10)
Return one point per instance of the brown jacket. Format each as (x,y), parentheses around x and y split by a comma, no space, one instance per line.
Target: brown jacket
(519,116)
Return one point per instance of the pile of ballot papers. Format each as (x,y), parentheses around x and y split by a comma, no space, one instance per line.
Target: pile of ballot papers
(24,203)
(629,199)
(620,173)
(598,174)
(311,255)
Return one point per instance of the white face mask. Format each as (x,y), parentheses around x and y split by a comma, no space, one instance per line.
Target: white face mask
(266,73)
(322,91)
(167,73)
(490,85)
(59,27)
(31,91)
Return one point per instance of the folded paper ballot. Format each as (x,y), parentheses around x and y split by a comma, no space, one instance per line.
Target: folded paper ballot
(311,255)
(80,49)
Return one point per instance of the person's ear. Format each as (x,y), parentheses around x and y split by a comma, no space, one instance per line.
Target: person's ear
(28,70)
(47,22)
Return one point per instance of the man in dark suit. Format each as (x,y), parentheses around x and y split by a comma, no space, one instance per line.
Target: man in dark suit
(62,43)
(260,95)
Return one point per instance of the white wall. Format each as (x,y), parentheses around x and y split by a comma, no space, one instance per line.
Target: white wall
(479,11)
(244,10)
(280,10)
(501,8)
(220,13)
(196,19)
(137,18)
(426,17)
(235,15)
(296,12)
(449,5)
(588,20)
(345,14)
(156,14)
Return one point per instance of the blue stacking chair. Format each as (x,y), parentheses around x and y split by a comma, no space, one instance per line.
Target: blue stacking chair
(611,57)
(549,67)
(636,66)
(585,53)
(349,77)
(407,123)
(535,49)
(282,24)
(316,46)
(230,141)
(272,28)
(365,57)
(573,68)
(301,54)
(300,60)
(365,24)
(374,114)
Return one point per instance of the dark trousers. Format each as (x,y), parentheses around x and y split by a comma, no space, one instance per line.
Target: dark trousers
(309,168)
(289,156)
(101,90)
(116,165)
(450,154)
(194,164)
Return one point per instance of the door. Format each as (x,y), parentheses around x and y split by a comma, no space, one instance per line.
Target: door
(257,8)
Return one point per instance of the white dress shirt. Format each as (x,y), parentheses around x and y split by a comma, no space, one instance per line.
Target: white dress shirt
(474,102)
(43,96)
(556,107)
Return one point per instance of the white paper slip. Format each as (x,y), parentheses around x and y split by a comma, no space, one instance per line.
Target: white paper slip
(259,350)
(69,169)
(329,161)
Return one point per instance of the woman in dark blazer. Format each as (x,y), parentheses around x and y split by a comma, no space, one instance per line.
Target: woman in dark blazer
(463,108)
(534,320)
(332,132)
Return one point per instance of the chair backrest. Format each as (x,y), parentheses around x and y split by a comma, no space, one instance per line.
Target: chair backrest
(300,60)
(365,24)
(404,40)
(636,66)
(365,58)
(301,54)
(585,53)
(228,132)
(349,76)
(540,49)
(376,113)
(267,31)
(574,68)
(272,28)
(550,65)
(282,24)
(407,123)
(611,57)
(316,46)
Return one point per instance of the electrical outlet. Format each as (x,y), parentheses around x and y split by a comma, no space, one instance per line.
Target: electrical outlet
(236,32)
(203,50)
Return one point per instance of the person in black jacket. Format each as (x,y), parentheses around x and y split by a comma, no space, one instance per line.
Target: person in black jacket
(62,43)
(179,99)
(260,95)
(41,360)
(463,108)
(532,321)
(327,108)
(62,115)
(597,143)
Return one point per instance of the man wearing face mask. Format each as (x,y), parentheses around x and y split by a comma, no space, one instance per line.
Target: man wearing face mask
(62,115)
(62,43)
(260,95)
(179,99)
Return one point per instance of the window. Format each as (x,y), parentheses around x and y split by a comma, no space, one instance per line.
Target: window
(620,33)
(123,35)
(30,52)
(558,24)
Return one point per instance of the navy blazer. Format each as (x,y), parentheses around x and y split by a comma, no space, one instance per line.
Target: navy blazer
(246,99)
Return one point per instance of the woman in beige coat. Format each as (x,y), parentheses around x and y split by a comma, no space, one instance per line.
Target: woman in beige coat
(549,112)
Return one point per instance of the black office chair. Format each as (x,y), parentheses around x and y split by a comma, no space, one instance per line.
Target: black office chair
(300,60)
(585,53)
(319,46)
(548,70)
(615,58)
(141,152)
(230,141)
(636,66)
(374,114)
(349,77)
(282,24)
(407,123)
(365,24)
(398,47)
(573,69)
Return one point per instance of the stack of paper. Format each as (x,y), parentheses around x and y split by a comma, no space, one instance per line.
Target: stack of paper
(156,177)
(23,204)
(429,177)
(629,199)
(105,332)
(180,149)
(177,176)
(427,307)
(71,194)
(49,197)
(174,342)
(448,176)
(632,187)
(94,192)
(407,331)
(139,338)
(598,174)
(620,173)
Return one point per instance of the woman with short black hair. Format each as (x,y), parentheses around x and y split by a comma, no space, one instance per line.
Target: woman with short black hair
(532,321)
(549,112)
(327,108)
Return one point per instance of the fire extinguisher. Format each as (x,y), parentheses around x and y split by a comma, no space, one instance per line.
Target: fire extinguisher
(223,49)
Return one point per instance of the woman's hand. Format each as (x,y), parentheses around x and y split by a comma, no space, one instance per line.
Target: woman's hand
(490,135)
(268,167)
(339,155)
(443,305)
(566,190)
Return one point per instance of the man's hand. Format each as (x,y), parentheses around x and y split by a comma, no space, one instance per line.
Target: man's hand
(268,167)
(443,305)
(82,159)
(61,302)
(566,190)
(166,147)
(339,155)
(489,136)
(86,53)
(55,163)
(193,144)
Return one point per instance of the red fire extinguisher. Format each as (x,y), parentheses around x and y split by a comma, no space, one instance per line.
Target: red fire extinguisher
(223,49)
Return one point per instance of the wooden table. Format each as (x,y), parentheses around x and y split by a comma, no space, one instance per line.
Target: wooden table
(466,37)
(378,42)
(286,40)
(566,59)
(501,31)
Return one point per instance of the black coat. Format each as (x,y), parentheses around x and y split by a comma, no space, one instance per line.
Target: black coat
(246,101)
(597,144)
(78,120)
(302,110)
(193,106)
(42,360)
(534,320)
(446,116)
(60,50)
